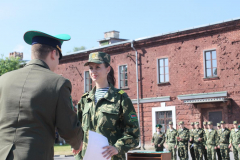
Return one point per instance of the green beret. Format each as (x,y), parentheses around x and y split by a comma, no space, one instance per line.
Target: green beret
(239,126)
(218,124)
(191,123)
(210,122)
(159,126)
(196,123)
(181,122)
(204,123)
(98,57)
(222,122)
(235,122)
(170,123)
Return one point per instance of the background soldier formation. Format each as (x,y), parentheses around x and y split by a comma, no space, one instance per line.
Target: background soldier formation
(202,142)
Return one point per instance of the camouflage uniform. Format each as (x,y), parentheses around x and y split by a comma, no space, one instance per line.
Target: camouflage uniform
(211,143)
(204,147)
(183,145)
(113,116)
(198,145)
(218,150)
(158,139)
(171,140)
(191,144)
(224,142)
(235,141)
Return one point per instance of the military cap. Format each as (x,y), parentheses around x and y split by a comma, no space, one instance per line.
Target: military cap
(222,122)
(218,124)
(191,123)
(235,122)
(239,126)
(98,57)
(159,126)
(204,123)
(170,123)
(210,122)
(181,122)
(37,37)
(196,123)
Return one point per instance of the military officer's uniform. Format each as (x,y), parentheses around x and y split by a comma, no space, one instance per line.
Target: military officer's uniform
(198,145)
(204,147)
(158,139)
(211,142)
(33,102)
(182,144)
(218,149)
(171,140)
(113,116)
(235,141)
(224,135)
(191,143)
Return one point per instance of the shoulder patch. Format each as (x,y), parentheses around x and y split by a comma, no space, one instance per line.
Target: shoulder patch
(121,92)
(133,116)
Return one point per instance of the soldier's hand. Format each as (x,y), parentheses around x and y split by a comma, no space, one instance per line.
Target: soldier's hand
(205,147)
(191,140)
(215,147)
(152,144)
(230,145)
(239,145)
(218,147)
(110,151)
(77,151)
(199,139)
(175,147)
(159,145)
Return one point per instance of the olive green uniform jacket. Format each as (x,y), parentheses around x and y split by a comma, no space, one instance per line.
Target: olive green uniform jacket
(113,116)
(33,101)
(158,139)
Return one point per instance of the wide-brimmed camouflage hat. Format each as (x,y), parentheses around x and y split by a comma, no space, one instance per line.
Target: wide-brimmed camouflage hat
(222,122)
(98,57)
(210,122)
(170,123)
(191,123)
(181,122)
(159,126)
(196,123)
(218,124)
(235,122)
(204,123)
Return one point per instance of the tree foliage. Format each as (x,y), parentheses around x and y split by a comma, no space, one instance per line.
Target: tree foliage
(9,64)
(75,49)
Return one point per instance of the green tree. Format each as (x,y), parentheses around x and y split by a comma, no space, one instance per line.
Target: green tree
(75,49)
(9,64)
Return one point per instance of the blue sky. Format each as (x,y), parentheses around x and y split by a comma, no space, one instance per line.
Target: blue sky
(86,21)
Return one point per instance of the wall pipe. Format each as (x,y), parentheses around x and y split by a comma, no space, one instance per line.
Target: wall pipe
(139,146)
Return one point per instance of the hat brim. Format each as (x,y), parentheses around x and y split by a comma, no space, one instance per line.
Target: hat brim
(93,61)
(28,36)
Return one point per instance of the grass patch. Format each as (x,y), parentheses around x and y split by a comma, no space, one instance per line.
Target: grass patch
(62,150)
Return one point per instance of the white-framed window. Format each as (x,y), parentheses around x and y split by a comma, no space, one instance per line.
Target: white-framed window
(87,82)
(162,115)
(163,70)
(210,63)
(123,76)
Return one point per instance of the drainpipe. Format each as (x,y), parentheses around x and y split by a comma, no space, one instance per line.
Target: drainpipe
(139,146)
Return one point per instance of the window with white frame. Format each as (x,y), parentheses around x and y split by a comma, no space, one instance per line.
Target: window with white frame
(210,63)
(123,77)
(163,70)
(88,82)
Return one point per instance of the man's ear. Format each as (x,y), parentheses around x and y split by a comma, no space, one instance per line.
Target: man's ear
(53,54)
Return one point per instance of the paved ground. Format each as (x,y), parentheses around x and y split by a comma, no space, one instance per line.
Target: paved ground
(72,158)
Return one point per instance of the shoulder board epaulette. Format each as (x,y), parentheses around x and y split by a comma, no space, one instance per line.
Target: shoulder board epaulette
(85,94)
(123,93)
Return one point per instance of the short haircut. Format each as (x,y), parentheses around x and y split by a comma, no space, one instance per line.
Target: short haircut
(41,51)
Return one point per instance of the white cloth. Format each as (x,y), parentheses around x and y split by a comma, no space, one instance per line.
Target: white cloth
(209,130)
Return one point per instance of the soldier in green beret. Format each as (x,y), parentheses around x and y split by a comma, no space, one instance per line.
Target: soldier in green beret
(235,140)
(171,140)
(191,142)
(205,128)
(158,138)
(218,150)
(107,110)
(198,139)
(182,144)
(211,142)
(223,144)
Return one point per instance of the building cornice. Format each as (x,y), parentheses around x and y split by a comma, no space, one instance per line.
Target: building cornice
(202,95)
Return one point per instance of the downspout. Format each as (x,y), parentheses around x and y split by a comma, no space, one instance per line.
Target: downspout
(139,146)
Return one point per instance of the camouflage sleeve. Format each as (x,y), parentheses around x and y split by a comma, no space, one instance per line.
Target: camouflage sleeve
(163,140)
(131,132)
(191,135)
(186,138)
(152,139)
(216,138)
(177,139)
(166,139)
(230,139)
(79,110)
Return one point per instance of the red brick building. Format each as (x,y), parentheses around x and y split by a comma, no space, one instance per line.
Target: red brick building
(191,75)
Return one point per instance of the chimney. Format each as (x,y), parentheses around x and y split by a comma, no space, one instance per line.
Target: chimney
(16,54)
(110,38)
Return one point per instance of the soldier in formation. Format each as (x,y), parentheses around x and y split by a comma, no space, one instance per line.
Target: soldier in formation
(235,140)
(205,128)
(182,144)
(158,139)
(171,140)
(191,142)
(211,142)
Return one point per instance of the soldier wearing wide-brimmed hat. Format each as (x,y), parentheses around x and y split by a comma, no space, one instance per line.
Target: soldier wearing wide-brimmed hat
(223,144)
(158,138)
(235,140)
(191,142)
(218,149)
(211,142)
(205,124)
(183,138)
(171,140)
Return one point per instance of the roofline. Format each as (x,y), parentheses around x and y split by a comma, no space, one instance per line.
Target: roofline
(144,38)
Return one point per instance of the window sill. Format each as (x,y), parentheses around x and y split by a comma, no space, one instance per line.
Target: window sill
(164,84)
(210,78)
(124,88)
